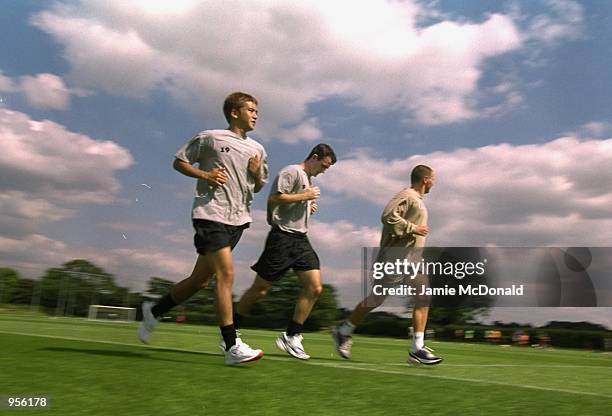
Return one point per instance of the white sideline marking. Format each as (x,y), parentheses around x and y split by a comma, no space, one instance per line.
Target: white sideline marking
(522,365)
(331,365)
(470,380)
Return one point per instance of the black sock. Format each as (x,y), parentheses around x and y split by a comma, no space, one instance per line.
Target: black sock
(228,333)
(164,305)
(238,319)
(293,328)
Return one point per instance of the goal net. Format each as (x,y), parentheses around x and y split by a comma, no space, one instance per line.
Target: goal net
(112,313)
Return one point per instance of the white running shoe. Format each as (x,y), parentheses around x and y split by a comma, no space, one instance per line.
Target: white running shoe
(241,353)
(292,345)
(148,324)
(424,356)
(222,341)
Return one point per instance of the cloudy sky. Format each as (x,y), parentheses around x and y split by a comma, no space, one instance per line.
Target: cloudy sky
(510,102)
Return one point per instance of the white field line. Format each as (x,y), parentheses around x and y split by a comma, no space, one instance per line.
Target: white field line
(345,366)
(458,346)
(522,365)
(380,344)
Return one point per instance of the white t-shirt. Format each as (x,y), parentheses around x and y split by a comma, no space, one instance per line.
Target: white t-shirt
(292,217)
(229,203)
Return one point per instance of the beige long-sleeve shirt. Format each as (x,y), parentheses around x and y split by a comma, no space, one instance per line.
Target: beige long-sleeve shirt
(401,216)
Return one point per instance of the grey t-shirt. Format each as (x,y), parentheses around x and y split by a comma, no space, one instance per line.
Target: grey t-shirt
(229,203)
(290,217)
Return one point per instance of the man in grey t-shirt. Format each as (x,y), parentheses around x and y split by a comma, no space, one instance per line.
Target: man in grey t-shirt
(291,201)
(292,217)
(231,168)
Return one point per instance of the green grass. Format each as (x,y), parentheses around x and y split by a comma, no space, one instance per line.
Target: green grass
(97,368)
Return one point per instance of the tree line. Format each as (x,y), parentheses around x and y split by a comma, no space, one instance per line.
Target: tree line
(70,289)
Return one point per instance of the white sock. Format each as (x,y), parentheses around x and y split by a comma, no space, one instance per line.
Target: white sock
(346,328)
(418,341)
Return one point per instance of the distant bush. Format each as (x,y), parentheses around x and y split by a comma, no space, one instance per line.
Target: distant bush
(393,326)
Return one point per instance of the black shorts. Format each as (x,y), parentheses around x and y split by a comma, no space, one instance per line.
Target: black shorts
(285,251)
(212,236)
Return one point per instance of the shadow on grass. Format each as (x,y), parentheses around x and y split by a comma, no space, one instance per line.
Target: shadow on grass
(347,363)
(219,356)
(128,354)
(131,355)
(335,359)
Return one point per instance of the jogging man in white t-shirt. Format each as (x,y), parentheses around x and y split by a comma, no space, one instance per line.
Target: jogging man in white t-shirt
(231,168)
(291,201)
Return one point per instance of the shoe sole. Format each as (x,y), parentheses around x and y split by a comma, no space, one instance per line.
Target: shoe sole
(418,361)
(346,357)
(281,346)
(248,360)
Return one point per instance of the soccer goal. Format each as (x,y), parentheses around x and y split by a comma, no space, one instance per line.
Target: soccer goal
(112,313)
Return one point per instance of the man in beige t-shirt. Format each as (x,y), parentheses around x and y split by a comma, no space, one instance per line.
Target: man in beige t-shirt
(404,226)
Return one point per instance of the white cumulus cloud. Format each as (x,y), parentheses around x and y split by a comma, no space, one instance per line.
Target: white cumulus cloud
(43,167)
(42,91)
(48,161)
(289,54)
(6,83)
(564,20)
(553,193)
(46,91)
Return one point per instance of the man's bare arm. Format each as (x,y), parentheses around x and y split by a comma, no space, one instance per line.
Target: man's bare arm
(216,176)
(310,193)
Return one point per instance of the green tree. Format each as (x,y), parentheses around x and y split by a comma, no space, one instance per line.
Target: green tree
(70,289)
(9,281)
(443,316)
(200,308)
(23,292)
(275,310)
(158,286)
(455,310)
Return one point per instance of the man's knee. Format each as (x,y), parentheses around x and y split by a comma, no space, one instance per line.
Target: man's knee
(422,301)
(225,275)
(374,301)
(259,288)
(314,290)
(260,291)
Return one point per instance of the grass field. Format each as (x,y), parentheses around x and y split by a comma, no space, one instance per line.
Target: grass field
(97,368)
